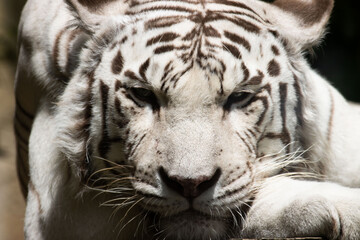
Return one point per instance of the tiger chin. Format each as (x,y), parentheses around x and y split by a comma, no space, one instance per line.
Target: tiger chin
(196,120)
(193,225)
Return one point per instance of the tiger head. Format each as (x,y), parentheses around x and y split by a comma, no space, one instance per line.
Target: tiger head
(185,106)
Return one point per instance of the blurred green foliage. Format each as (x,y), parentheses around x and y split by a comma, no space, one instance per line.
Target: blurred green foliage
(338,57)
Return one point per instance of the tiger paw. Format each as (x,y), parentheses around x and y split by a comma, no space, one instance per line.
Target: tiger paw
(303,216)
(287,207)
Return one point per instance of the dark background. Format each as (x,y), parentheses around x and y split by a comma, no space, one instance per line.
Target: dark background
(338,57)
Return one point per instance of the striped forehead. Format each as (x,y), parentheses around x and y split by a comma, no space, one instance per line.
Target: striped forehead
(227,40)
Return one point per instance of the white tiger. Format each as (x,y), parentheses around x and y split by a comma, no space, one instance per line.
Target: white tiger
(194,119)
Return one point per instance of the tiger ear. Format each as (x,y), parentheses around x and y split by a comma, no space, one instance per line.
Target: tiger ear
(301,23)
(91,13)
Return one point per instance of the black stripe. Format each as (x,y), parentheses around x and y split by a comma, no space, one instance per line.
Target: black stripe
(245,71)
(118,63)
(258,18)
(130,74)
(182,73)
(283,91)
(143,68)
(157,8)
(235,4)
(275,50)
(104,147)
(164,37)
(256,80)
(273,68)
(248,26)
(238,39)
(209,31)
(265,102)
(232,49)
(168,68)
(162,22)
(299,103)
(138,3)
(164,49)
(118,85)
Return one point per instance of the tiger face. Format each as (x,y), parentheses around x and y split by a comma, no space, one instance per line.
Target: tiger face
(189,113)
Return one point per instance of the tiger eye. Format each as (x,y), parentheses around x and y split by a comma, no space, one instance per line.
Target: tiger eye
(143,95)
(241,98)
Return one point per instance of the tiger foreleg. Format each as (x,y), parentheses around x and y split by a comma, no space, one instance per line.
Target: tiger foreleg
(295,208)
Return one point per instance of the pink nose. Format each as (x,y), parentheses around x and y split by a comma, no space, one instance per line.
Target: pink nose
(189,187)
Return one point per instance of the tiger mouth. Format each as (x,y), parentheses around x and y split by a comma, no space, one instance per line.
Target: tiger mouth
(195,225)
(192,214)
(227,216)
(192,218)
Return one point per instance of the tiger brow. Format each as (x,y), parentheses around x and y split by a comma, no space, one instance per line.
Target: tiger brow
(132,75)
(136,81)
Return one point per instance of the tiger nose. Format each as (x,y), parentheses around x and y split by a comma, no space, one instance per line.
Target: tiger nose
(189,187)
